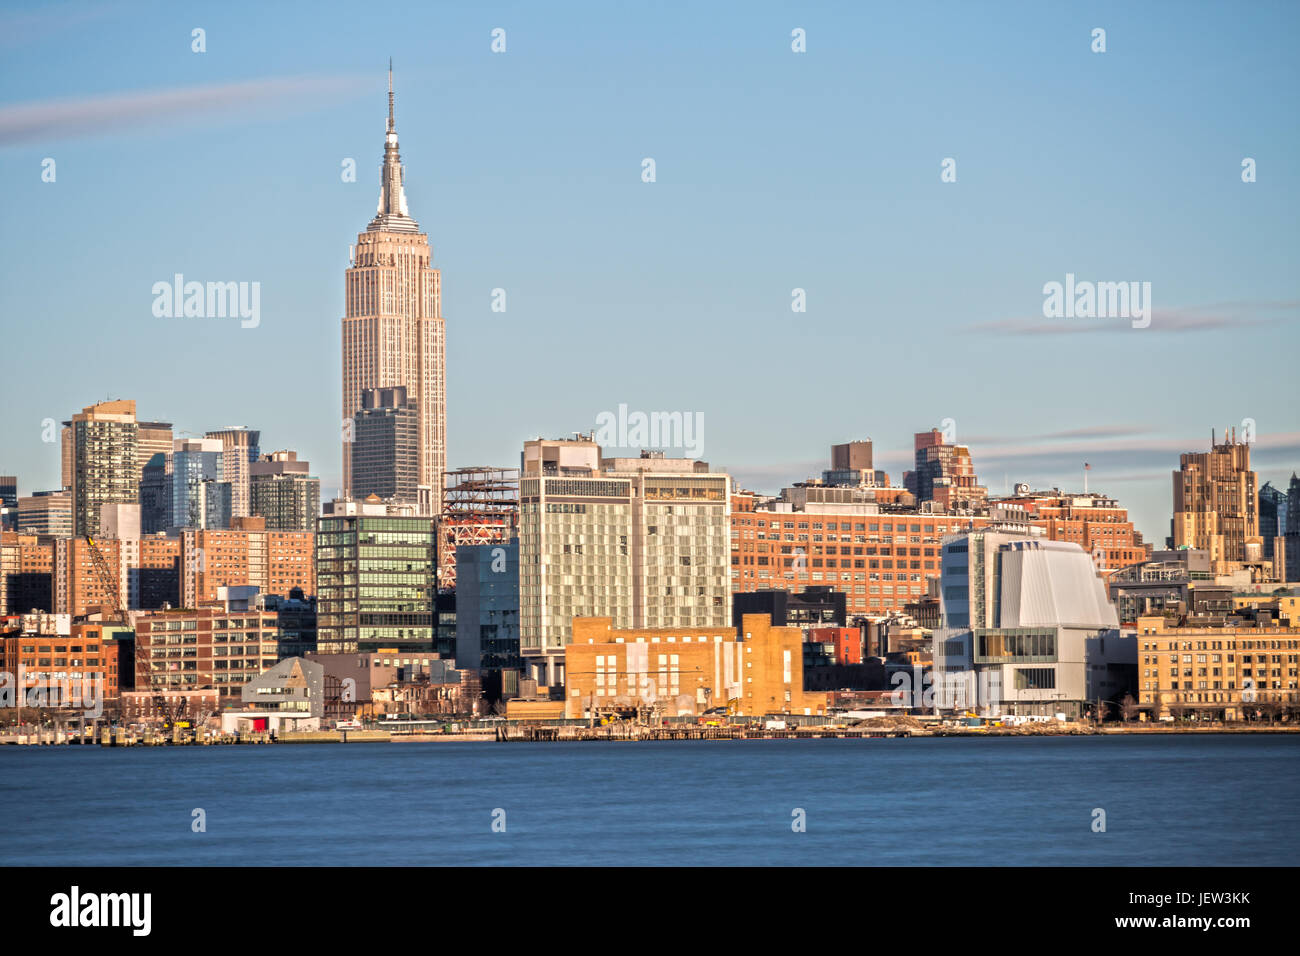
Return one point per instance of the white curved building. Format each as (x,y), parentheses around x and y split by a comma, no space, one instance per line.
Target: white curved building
(1027,628)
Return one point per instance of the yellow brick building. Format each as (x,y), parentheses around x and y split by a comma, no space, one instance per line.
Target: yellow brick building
(1226,673)
(671,672)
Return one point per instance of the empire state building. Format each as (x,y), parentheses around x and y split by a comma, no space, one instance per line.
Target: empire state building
(393,332)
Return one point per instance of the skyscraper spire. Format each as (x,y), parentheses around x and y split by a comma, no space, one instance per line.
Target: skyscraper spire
(392,214)
(394,335)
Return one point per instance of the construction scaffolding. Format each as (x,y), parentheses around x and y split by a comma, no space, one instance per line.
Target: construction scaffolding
(480,505)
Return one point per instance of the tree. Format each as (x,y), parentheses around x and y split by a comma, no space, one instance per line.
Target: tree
(1128,707)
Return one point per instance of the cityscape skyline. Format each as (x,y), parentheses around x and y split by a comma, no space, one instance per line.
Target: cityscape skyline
(530,222)
(884,415)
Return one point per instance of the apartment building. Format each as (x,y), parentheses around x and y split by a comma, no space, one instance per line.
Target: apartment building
(1243,668)
(284,492)
(220,644)
(642,541)
(50,654)
(200,497)
(26,574)
(239,449)
(275,562)
(103,462)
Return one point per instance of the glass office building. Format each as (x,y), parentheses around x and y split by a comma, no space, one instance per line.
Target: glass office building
(375,582)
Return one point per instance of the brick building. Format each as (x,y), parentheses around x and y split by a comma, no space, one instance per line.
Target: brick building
(878,556)
(1243,668)
(756,670)
(275,562)
(58,657)
(221,644)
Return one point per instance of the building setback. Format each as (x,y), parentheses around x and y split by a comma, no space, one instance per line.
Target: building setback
(386,446)
(944,474)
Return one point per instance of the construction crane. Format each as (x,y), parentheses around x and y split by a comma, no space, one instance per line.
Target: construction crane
(108,581)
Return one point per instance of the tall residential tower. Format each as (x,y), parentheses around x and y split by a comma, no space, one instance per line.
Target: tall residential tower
(393,333)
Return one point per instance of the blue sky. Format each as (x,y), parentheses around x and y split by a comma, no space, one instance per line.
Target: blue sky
(775,171)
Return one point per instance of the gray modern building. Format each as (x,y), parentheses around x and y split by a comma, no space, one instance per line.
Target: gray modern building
(1272,517)
(156,493)
(200,497)
(1027,628)
(295,686)
(487,614)
(386,446)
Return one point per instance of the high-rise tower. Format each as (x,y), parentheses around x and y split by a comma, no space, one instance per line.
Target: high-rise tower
(393,332)
(1216,504)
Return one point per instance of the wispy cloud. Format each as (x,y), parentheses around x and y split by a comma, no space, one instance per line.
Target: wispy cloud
(1094,432)
(1209,318)
(160,109)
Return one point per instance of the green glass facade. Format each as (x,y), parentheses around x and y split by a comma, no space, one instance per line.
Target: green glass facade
(375,583)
